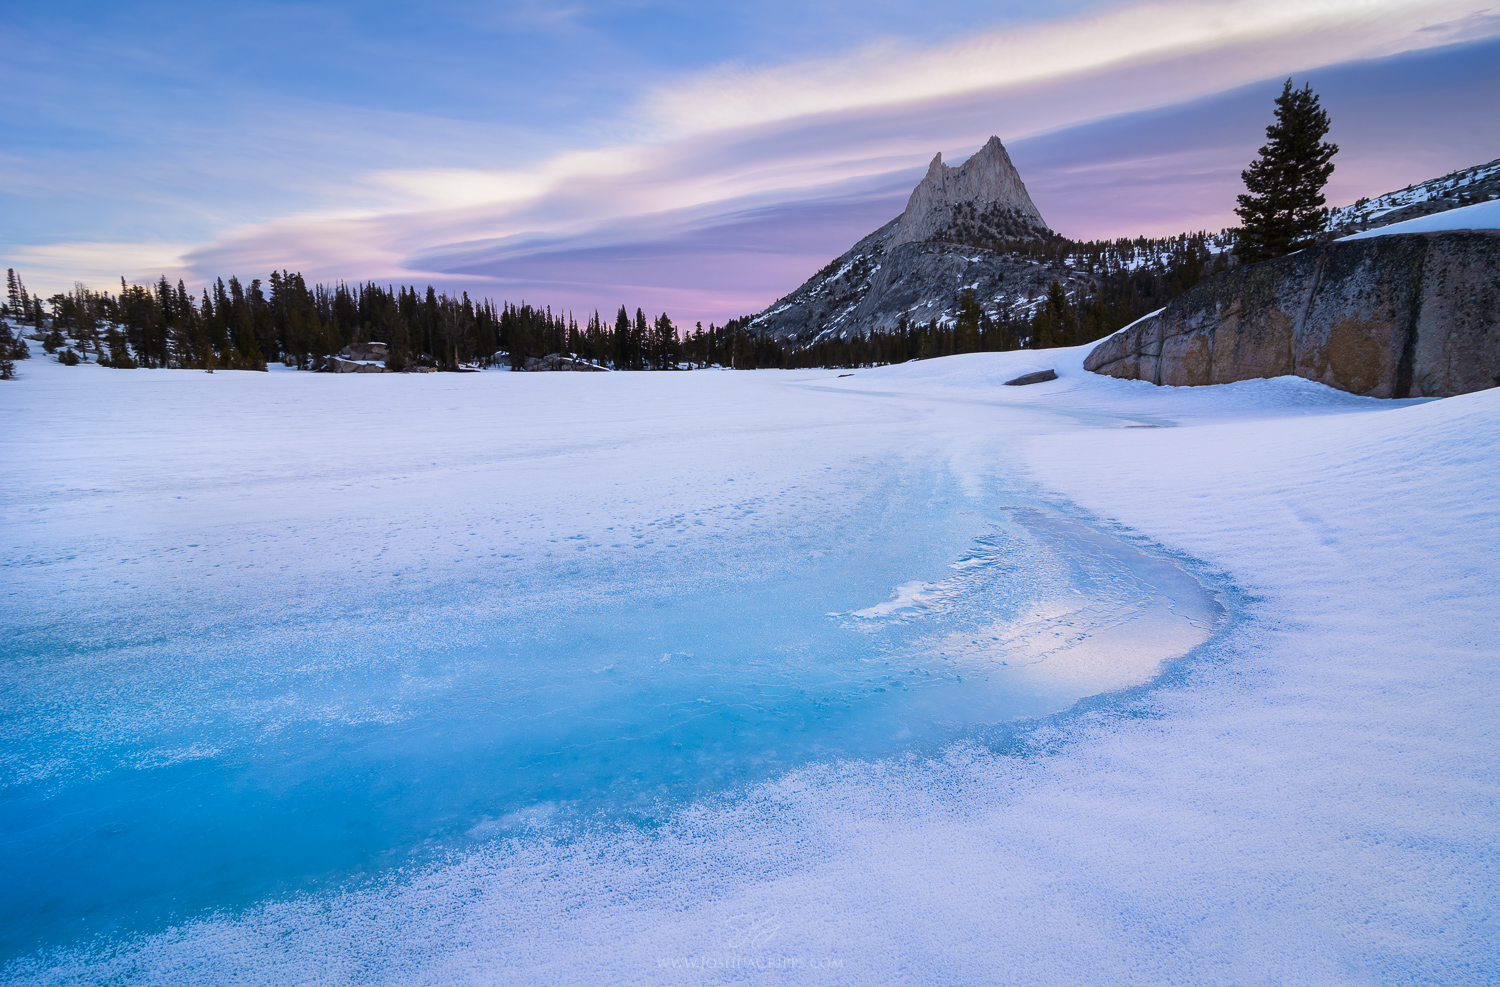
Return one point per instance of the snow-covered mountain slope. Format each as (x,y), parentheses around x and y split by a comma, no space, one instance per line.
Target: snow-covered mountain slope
(874,286)
(1480,216)
(918,265)
(669,678)
(1465,187)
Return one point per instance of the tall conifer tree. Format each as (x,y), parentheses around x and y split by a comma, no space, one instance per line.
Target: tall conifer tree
(1282,208)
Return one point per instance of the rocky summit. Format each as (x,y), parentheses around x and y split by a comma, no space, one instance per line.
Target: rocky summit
(950,238)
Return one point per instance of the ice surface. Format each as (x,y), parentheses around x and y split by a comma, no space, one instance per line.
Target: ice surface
(503,678)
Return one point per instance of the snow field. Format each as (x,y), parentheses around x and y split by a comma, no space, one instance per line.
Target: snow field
(1310,797)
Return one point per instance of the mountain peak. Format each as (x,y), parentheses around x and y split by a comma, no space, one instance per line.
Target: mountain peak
(956,235)
(985,191)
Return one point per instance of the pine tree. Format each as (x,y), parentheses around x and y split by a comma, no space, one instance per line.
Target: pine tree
(390,327)
(620,340)
(262,324)
(7,349)
(53,340)
(638,340)
(119,353)
(1053,323)
(1282,209)
(966,326)
(664,348)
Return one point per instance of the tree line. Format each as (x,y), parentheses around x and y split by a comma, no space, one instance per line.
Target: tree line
(234,325)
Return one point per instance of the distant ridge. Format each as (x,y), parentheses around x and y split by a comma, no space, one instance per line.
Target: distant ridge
(1465,187)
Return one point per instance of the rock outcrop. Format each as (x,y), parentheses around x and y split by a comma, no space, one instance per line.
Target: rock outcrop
(919,264)
(1408,315)
(357,358)
(337,365)
(1039,377)
(364,351)
(556,361)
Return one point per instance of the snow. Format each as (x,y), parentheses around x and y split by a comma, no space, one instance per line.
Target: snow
(1458,183)
(541,684)
(1479,216)
(845,269)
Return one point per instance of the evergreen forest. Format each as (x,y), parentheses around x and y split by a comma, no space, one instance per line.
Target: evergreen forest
(236,325)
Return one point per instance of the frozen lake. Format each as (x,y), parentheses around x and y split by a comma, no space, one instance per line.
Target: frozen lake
(284,645)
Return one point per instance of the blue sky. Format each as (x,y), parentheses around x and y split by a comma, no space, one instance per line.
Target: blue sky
(698,158)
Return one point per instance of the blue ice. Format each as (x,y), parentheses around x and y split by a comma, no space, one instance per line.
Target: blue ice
(200,762)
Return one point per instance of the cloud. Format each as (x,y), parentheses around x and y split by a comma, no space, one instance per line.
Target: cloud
(451,188)
(740,182)
(1136,48)
(1156,171)
(56,267)
(1398,120)
(889,73)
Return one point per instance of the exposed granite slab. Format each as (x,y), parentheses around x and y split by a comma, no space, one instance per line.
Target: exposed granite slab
(1407,315)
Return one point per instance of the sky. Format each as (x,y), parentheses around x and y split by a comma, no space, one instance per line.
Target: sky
(699,159)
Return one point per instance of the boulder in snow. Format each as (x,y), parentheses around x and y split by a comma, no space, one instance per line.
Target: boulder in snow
(1041,376)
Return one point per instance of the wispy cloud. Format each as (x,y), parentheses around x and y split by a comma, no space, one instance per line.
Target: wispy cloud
(1138,47)
(55,267)
(736,148)
(1286,31)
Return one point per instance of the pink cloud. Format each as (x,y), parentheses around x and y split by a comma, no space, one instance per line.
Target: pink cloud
(720,225)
